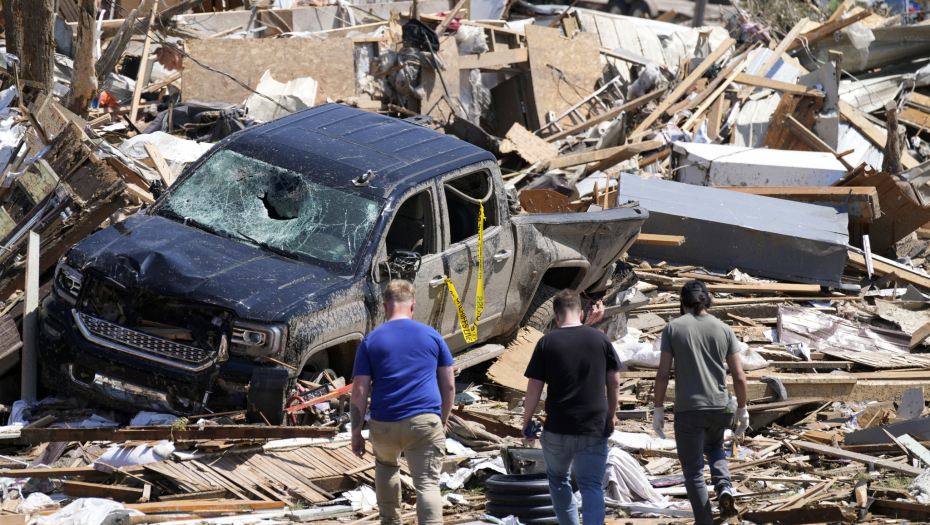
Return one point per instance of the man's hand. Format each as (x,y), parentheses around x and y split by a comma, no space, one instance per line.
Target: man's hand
(527,423)
(611,424)
(742,421)
(658,421)
(358,443)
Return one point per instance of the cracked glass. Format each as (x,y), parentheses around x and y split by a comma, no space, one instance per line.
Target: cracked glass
(256,202)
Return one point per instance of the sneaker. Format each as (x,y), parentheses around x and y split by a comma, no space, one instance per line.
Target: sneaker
(727,503)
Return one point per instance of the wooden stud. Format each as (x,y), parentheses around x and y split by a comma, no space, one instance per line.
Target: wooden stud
(137,92)
(167,176)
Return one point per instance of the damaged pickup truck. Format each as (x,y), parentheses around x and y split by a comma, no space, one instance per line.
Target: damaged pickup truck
(272,251)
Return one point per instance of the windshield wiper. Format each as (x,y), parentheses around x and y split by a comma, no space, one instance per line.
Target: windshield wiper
(193,222)
(270,248)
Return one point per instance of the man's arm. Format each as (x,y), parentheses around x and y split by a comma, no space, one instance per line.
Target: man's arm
(739,380)
(361,387)
(662,378)
(534,388)
(613,396)
(446,378)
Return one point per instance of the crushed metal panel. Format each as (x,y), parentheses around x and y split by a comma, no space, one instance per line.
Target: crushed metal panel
(774,238)
(870,94)
(919,428)
(752,120)
(892,45)
(724,165)
(865,151)
(836,334)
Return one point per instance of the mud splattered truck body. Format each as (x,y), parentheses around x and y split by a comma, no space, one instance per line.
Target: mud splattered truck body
(275,248)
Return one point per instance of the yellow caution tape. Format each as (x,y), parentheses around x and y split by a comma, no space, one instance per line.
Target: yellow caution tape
(470,331)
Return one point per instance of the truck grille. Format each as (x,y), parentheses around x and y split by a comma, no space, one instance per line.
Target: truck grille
(147,343)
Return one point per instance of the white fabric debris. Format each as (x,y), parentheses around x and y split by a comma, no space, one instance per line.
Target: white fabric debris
(625,481)
(648,78)
(171,147)
(455,448)
(920,488)
(86,511)
(462,475)
(860,37)
(363,499)
(38,501)
(116,456)
(471,40)
(294,95)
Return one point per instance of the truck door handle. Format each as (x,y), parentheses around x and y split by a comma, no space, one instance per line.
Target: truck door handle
(501,256)
(438,281)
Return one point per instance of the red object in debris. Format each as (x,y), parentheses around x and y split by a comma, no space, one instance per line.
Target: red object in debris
(453,26)
(291,410)
(107,100)
(169,58)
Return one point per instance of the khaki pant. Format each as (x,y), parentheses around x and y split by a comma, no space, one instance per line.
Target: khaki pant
(422,441)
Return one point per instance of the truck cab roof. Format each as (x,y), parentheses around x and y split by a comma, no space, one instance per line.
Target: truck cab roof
(338,144)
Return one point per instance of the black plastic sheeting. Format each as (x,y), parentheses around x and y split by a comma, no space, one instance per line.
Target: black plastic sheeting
(204,122)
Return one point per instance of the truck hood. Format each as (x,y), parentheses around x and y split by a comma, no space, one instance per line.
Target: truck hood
(163,256)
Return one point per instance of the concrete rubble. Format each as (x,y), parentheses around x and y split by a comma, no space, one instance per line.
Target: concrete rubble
(778,151)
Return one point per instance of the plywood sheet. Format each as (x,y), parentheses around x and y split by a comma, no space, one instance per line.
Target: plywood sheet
(509,368)
(578,59)
(329,61)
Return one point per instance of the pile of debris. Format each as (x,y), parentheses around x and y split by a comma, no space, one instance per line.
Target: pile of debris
(781,158)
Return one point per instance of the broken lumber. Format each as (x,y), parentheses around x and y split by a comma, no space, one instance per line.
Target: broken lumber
(609,115)
(876,135)
(860,458)
(901,509)
(79,489)
(880,268)
(494,59)
(777,85)
(205,506)
(659,240)
(45,435)
(827,30)
(615,154)
(820,514)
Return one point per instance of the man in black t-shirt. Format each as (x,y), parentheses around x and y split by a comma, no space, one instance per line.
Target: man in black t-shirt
(576,362)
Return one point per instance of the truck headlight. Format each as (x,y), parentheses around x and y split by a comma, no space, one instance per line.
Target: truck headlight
(67,283)
(257,339)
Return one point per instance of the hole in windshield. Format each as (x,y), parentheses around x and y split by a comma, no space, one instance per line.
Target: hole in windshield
(251,199)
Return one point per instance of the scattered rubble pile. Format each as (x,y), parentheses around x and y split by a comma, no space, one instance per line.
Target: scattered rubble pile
(784,162)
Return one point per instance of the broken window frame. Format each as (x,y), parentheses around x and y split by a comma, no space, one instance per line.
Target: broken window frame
(340,267)
(431,244)
(491,208)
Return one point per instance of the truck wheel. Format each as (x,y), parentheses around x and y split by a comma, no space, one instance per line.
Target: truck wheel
(267,391)
(540,314)
(640,10)
(618,7)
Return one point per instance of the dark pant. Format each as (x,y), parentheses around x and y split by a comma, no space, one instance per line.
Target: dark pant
(700,432)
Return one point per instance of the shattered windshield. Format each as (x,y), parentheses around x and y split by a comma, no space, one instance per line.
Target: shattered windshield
(259,203)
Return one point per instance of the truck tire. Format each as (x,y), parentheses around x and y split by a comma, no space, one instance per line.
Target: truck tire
(508,498)
(618,7)
(518,484)
(540,314)
(267,392)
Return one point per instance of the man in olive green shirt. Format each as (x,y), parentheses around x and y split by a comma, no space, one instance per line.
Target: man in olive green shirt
(700,345)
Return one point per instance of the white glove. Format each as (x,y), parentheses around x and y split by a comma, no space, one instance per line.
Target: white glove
(658,421)
(742,421)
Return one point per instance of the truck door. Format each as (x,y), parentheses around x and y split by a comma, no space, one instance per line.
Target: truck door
(413,228)
(459,194)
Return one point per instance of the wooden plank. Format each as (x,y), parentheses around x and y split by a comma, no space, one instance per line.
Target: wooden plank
(576,159)
(877,136)
(659,240)
(494,60)
(44,435)
(167,176)
(860,458)
(882,268)
(784,404)
(140,78)
(711,88)
(764,288)
(609,115)
(827,30)
(685,85)
(119,493)
(51,472)
(777,85)
(782,47)
(901,509)
(198,507)
(699,112)
(811,139)
(920,335)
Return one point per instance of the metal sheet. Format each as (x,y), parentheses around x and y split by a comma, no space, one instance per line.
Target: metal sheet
(774,238)
(865,151)
(752,121)
(919,428)
(724,165)
(836,334)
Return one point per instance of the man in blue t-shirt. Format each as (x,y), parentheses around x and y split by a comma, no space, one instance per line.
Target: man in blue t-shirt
(407,368)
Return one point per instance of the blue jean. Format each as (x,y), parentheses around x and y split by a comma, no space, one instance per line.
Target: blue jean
(588,455)
(700,432)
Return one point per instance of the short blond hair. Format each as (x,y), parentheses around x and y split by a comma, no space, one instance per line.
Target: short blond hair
(399,291)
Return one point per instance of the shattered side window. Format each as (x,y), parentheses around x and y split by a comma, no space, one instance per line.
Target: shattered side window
(248,198)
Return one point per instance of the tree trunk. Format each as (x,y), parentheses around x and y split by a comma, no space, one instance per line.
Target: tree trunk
(13,24)
(892,161)
(38,58)
(84,77)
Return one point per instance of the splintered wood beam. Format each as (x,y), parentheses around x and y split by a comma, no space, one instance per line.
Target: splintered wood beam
(859,458)
(777,85)
(604,155)
(609,115)
(872,132)
(827,30)
(685,85)
(811,139)
(659,240)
